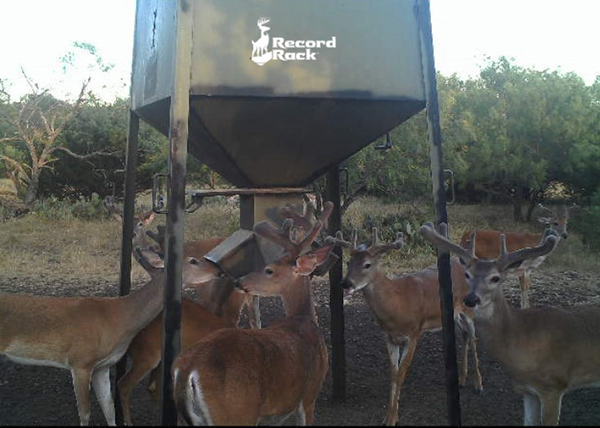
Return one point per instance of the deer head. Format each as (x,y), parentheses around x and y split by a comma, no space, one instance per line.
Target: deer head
(485,277)
(296,262)
(558,219)
(363,266)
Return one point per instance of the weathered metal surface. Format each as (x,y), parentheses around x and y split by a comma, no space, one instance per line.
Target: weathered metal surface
(178,137)
(288,121)
(439,199)
(127,235)
(336,293)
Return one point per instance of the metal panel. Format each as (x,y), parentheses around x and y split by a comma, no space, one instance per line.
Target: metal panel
(286,122)
(371,51)
(154,47)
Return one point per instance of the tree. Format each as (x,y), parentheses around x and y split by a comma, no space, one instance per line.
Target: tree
(35,126)
(522,125)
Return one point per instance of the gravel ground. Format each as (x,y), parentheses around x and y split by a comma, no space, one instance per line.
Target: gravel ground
(32,395)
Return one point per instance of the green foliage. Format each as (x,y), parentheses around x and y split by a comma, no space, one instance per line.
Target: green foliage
(587,223)
(509,135)
(389,219)
(53,208)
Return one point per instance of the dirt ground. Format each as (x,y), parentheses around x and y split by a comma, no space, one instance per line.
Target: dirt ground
(32,395)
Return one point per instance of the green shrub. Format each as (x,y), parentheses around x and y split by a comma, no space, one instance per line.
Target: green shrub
(587,223)
(88,209)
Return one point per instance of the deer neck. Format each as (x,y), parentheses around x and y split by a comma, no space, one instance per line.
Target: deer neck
(143,305)
(375,292)
(496,321)
(298,300)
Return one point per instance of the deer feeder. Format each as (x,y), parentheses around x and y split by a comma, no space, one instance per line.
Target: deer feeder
(273,94)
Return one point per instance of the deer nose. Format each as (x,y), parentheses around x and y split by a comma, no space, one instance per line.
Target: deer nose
(345,284)
(471,300)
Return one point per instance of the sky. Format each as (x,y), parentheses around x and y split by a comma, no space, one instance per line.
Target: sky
(541,34)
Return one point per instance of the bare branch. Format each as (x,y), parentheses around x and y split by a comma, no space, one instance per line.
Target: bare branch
(87,156)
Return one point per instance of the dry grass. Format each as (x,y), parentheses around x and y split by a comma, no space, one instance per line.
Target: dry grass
(74,248)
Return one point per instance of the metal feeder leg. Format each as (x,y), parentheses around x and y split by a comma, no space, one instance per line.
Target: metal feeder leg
(336,296)
(127,236)
(178,142)
(439,199)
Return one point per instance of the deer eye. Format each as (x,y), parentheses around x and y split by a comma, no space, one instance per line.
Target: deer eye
(269,271)
(367,265)
(495,279)
(194,261)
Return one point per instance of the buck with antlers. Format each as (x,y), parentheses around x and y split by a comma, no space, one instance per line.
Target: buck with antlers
(546,351)
(238,377)
(85,335)
(488,244)
(405,307)
(144,352)
(217,307)
(235,304)
(204,294)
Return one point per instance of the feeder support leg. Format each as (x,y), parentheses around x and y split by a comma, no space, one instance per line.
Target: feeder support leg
(439,199)
(336,296)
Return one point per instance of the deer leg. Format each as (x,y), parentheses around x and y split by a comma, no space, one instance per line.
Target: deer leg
(551,403)
(155,382)
(101,383)
(524,282)
(254,312)
(81,385)
(469,340)
(399,369)
(478,381)
(531,409)
(462,380)
(301,415)
(126,384)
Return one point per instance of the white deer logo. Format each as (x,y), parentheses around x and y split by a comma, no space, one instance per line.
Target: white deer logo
(259,47)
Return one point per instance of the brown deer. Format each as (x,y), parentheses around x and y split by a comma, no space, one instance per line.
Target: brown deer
(197,249)
(236,302)
(405,307)
(488,244)
(546,351)
(144,352)
(85,335)
(239,377)
(219,307)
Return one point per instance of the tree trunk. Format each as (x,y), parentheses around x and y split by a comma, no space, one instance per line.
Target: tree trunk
(32,187)
(530,208)
(517,210)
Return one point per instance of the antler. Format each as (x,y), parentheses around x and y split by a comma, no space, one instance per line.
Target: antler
(440,240)
(376,248)
(158,236)
(293,246)
(547,244)
(338,239)
(263,20)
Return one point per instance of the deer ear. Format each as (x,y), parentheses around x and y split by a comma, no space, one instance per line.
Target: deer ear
(306,264)
(325,259)
(148,218)
(510,269)
(463,262)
